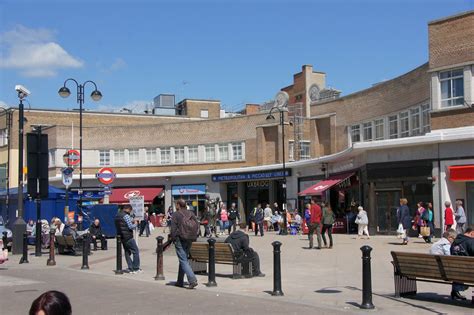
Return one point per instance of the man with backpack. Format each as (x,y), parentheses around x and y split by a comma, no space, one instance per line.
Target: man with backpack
(184,230)
(233,215)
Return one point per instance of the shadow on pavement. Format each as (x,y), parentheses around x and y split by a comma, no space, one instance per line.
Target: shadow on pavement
(327,291)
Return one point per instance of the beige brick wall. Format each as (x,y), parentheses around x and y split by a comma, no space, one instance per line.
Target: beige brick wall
(454,118)
(194,108)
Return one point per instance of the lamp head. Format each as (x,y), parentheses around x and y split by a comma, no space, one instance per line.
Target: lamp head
(270,117)
(64,92)
(96,95)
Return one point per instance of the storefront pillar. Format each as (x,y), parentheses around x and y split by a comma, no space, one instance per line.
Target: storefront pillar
(372,208)
(241,201)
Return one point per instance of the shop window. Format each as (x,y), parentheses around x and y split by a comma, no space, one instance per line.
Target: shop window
(150,157)
(367,131)
(193,155)
(119,157)
(379,129)
(223,152)
(425,118)
(355,133)
(452,87)
(104,157)
(305,152)
(133,157)
(415,121)
(237,152)
(210,152)
(179,155)
(165,155)
(3,176)
(404,125)
(393,126)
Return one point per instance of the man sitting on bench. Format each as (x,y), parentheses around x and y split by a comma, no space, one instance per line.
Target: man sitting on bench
(240,242)
(95,231)
(463,245)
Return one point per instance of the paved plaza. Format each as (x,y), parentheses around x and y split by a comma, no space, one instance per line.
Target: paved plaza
(326,281)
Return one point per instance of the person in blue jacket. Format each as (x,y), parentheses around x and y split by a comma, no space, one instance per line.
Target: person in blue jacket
(404,218)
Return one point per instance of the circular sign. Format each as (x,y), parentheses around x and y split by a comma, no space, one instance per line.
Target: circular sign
(105,175)
(72,157)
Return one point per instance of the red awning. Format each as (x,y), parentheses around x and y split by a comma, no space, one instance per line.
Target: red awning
(460,173)
(324,185)
(121,195)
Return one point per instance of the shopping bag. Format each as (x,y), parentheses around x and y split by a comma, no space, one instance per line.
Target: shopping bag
(425,231)
(400,231)
(151,226)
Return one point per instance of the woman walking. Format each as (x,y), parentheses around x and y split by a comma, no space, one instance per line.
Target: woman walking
(403,216)
(224,219)
(418,219)
(328,221)
(362,221)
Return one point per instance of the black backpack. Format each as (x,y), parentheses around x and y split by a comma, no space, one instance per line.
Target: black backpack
(189,226)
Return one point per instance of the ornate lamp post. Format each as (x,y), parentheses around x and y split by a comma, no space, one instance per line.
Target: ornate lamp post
(96,96)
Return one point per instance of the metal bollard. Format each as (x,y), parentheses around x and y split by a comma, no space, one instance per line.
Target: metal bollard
(24,258)
(85,251)
(38,239)
(118,270)
(159,259)
(276,269)
(366,278)
(5,240)
(51,261)
(211,282)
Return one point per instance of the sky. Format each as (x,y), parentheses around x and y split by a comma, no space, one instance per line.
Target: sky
(237,52)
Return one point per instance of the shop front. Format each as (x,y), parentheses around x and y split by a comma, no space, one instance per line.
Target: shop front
(153,197)
(193,194)
(461,184)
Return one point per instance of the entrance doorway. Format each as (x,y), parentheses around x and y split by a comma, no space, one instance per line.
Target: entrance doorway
(387,202)
(470,203)
(256,192)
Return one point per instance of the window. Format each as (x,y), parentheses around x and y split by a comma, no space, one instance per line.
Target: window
(223,152)
(379,129)
(204,113)
(3,137)
(305,150)
(237,151)
(367,131)
(178,155)
(425,118)
(404,125)
(52,157)
(104,157)
(393,126)
(133,157)
(119,157)
(165,154)
(150,157)
(193,155)
(210,152)
(355,133)
(452,87)
(415,121)
(291,151)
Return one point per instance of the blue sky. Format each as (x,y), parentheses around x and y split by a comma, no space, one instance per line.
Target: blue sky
(234,51)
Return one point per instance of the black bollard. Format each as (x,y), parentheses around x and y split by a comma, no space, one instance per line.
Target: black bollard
(51,261)
(366,278)
(118,270)
(159,259)
(276,269)
(5,240)
(211,282)
(24,258)
(85,251)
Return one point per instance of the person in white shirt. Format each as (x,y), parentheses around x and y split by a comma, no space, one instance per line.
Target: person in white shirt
(443,246)
(267,216)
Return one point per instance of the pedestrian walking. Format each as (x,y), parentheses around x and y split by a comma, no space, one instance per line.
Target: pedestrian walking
(144,224)
(328,221)
(258,217)
(427,217)
(184,230)
(315,223)
(362,220)
(404,218)
(460,216)
(224,219)
(448,216)
(204,219)
(125,227)
(234,217)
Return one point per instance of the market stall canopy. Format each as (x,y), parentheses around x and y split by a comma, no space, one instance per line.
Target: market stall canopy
(460,173)
(322,186)
(122,195)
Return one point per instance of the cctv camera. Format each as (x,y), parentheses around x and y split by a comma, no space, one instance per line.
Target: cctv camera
(22,91)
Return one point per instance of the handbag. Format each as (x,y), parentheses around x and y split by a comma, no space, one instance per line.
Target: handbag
(425,231)
(401,231)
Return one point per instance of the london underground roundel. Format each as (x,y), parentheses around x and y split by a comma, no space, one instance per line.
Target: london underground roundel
(106,175)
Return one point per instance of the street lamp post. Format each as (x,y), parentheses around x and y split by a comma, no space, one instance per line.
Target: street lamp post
(96,96)
(282,111)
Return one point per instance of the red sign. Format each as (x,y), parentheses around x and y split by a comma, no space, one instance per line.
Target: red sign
(106,175)
(72,157)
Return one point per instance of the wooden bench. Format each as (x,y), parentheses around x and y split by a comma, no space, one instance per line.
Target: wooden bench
(412,267)
(224,254)
(67,245)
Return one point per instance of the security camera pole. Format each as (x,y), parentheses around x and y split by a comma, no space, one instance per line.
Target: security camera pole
(19,227)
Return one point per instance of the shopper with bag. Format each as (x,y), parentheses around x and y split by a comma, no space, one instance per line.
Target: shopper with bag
(404,218)
(362,220)
(328,221)
(427,217)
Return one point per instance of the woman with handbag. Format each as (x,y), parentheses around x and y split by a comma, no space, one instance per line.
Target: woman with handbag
(404,218)
(362,220)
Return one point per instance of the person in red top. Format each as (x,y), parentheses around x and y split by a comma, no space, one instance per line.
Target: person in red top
(448,216)
(315,224)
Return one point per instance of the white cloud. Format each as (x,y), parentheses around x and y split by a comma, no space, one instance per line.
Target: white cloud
(34,52)
(3,104)
(118,64)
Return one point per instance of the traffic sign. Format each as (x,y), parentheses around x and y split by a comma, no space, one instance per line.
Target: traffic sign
(67,179)
(106,175)
(72,157)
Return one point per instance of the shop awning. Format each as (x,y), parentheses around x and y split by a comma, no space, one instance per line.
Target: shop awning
(322,186)
(122,195)
(460,173)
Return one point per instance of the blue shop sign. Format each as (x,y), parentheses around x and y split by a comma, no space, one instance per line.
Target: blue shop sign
(181,190)
(250,176)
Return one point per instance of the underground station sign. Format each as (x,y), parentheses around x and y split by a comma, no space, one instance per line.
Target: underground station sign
(72,157)
(105,175)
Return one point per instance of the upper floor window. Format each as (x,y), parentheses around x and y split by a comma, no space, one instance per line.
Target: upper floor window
(305,152)
(204,113)
(355,133)
(425,118)
(150,157)
(3,137)
(52,157)
(379,129)
(179,155)
(104,157)
(210,152)
(133,157)
(415,121)
(223,152)
(367,131)
(165,154)
(237,152)
(393,126)
(452,87)
(119,157)
(404,125)
(193,155)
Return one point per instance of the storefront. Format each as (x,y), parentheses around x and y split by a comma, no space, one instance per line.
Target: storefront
(460,185)
(153,197)
(193,194)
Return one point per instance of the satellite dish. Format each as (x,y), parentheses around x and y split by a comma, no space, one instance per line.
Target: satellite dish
(314,92)
(281,99)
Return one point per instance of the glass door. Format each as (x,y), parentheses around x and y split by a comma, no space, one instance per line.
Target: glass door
(387,202)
